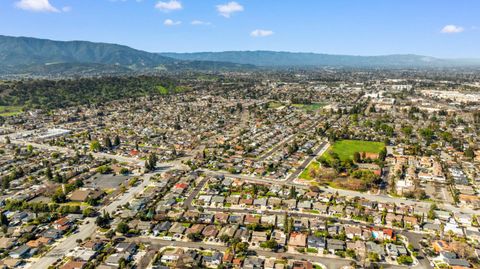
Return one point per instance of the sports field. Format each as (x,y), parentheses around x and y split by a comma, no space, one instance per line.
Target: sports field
(6,111)
(310,107)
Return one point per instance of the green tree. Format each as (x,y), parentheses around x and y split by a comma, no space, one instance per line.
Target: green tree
(241,247)
(88,212)
(108,142)
(151,162)
(224,238)
(404,259)
(59,197)
(431,212)
(122,228)
(373,257)
(382,154)
(49,173)
(270,244)
(427,134)
(469,153)
(116,142)
(3,220)
(356,157)
(104,169)
(95,146)
(293,192)
(195,237)
(5,183)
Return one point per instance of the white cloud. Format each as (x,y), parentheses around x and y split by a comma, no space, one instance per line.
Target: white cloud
(36,5)
(261,33)
(229,8)
(169,22)
(169,6)
(66,8)
(452,29)
(198,22)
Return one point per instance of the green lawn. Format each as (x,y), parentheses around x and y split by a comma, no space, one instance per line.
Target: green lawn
(346,148)
(306,173)
(6,111)
(274,104)
(180,89)
(310,107)
(162,90)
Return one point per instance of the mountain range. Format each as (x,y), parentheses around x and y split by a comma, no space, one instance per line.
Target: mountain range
(302,59)
(33,56)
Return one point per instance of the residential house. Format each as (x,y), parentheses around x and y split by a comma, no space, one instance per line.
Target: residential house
(395,251)
(213,261)
(210,231)
(20,252)
(297,240)
(376,248)
(334,245)
(177,228)
(253,263)
(316,242)
(280,237)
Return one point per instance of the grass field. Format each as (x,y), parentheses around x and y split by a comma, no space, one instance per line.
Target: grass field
(6,111)
(310,107)
(180,89)
(306,173)
(162,90)
(346,148)
(274,104)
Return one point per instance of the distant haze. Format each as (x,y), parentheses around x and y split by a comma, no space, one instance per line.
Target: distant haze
(32,55)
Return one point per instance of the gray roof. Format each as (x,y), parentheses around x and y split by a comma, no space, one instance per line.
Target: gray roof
(376,248)
(457,262)
(315,242)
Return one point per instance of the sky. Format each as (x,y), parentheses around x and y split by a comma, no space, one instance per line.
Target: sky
(439,28)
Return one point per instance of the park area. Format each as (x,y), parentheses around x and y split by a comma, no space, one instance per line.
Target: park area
(334,167)
(345,149)
(306,107)
(7,111)
(309,107)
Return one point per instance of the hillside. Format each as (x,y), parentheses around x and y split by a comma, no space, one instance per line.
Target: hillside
(44,93)
(25,55)
(300,59)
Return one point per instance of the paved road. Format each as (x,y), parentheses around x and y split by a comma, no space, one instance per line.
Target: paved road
(198,188)
(320,149)
(88,227)
(415,239)
(251,178)
(370,196)
(331,263)
(99,155)
(277,147)
(412,236)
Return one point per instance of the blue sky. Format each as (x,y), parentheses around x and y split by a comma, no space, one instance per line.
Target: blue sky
(442,28)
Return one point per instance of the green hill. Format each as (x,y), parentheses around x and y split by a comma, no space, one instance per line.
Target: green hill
(26,55)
